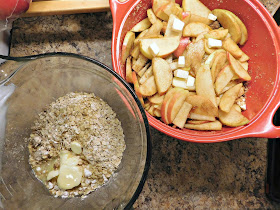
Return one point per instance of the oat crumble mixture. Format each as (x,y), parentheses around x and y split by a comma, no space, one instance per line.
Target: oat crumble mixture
(76,144)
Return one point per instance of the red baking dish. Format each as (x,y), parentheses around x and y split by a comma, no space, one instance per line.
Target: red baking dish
(263,47)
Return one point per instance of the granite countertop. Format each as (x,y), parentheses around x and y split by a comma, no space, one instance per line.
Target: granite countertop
(183,175)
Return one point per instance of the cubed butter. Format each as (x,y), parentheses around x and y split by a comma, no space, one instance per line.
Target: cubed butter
(154,49)
(69,177)
(177,25)
(190,81)
(181,61)
(214,43)
(181,73)
(212,17)
(179,82)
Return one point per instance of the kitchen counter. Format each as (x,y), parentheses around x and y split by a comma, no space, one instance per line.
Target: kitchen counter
(183,175)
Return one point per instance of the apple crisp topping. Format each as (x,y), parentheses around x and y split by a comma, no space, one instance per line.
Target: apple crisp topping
(76,144)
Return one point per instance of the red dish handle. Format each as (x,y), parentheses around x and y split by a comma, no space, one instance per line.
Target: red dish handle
(119,9)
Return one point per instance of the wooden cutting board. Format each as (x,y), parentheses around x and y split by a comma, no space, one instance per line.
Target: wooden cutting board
(58,7)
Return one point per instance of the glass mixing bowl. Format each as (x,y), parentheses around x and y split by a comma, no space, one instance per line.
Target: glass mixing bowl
(40,80)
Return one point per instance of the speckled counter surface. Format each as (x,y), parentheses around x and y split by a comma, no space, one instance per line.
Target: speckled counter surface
(183,175)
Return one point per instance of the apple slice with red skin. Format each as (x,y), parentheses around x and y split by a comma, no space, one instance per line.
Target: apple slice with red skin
(175,104)
(184,42)
(237,68)
(186,16)
(167,45)
(219,62)
(167,98)
(127,45)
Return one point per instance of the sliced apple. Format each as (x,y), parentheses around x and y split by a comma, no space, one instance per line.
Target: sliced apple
(127,45)
(217,34)
(233,118)
(244,36)
(230,85)
(207,49)
(245,65)
(135,51)
(223,78)
(151,110)
(163,74)
(228,22)
(146,75)
(244,58)
(195,28)
(140,63)
(173,8)
(138,38)
(237,107)
(156,99)
(201,117)
(149,87)
(128,70)
(196,7)
(175,104)
(154,30)
(165,103)
(160,12)
(229,98)
(194,54)
(167,45)
(237,68)
(157,113)
(219,62)
(136,87)
(197,122)
(202,106)
(241,92)
(186,16)
(230,46)
(142,25)
(143,70)
(182,115)
(184,42)
(218,100)
(169,31)
(158,4)
(151,15)
(212,57)
(210,126)
(204,84)
(197,18)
